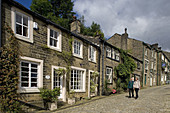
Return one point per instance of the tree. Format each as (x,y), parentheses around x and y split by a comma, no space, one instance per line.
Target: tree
(93,30)
(42,7)
(9,74)
(123,70)
(58,11)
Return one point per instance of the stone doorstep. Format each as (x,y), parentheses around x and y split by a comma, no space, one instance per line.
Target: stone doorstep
(32,106)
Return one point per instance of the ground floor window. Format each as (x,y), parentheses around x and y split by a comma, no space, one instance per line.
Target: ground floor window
(77,79)
(29,74)
(109,74)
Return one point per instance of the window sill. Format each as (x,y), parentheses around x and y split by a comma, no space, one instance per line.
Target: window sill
(113,59)
(79,91)
(28,90)
(55,48)
(78,56)
(92,61)
(24,38)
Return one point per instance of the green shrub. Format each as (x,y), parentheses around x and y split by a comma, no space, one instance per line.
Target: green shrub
(49,95)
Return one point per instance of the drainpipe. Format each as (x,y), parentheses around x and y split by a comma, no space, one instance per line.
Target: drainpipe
(0,24)
(157,66)
(143,68)
(99,71)
(103,69)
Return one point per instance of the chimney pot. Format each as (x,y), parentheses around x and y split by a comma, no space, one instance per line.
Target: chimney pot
(125,30)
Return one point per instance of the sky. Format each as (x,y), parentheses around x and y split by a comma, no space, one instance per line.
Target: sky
(145,20)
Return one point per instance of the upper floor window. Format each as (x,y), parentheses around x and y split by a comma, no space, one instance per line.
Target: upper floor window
(113,54)
(138,65)
(77,48)
(152,53)
(54,38)
(146,52)
(155,55)
(109,74)
(146,64)
(152,65)
(22,24)
(92,54)
(108,52)
(163,57)
(117,56)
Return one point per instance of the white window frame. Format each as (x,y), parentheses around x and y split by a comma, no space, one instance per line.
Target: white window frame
(81,49)
(30,24)
(154,66)
(113,54)
(92,54)
(108,52)
(39,77)
(163,58)
(155,54)
(152,53)
(84,79)
(151,65)
(109,76)
(146,51)
(146,61)
(117,56)
(59,38)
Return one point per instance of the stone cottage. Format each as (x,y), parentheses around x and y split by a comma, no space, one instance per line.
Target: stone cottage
(45,47)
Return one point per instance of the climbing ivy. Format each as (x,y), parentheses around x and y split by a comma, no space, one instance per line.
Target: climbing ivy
(124,69)
(67,56)
(9,73)
(93,85)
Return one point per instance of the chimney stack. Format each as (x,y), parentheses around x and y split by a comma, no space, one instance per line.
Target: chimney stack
(75,25)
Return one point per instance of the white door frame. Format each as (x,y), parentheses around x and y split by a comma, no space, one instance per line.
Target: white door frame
(150,80)
(89,84)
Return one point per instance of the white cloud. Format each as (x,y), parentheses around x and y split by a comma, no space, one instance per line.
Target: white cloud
(146,20)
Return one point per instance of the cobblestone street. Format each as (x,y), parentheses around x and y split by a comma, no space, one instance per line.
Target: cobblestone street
(151,100)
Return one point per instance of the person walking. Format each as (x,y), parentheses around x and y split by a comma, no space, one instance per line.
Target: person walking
(136,86)
(130,87)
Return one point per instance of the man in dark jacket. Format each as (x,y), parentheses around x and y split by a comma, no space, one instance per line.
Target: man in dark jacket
(130,86)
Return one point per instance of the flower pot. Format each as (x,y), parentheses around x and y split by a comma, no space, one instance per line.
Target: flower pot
(52,106)
(71,101)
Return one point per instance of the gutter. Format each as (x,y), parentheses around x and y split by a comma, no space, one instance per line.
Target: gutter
(143,69)
(157,67)
(99,71)
(103,68)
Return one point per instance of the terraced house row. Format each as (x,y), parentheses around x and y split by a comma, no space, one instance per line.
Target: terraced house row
(41,42)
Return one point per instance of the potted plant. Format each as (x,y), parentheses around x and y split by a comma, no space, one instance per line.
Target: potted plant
(71,98)
(50,97)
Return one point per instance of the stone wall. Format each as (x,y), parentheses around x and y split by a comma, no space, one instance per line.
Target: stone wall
(50,57)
